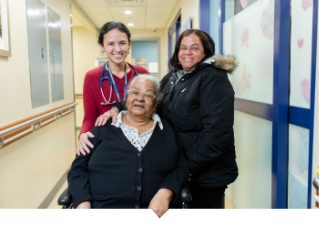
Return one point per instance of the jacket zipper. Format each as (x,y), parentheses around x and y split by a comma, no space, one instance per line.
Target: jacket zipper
(173,91)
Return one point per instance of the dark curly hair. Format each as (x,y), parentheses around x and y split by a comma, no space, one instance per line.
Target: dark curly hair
(110,26)
(206,41)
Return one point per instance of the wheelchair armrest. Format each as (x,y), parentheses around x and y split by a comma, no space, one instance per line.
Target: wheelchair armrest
(185,194)
(65,199)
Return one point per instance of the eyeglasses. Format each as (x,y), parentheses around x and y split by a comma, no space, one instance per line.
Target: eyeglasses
(146,95)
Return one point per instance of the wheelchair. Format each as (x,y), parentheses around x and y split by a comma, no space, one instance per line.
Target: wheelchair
(65,199)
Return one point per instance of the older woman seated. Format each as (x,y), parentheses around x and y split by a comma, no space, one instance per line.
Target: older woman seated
(136,162)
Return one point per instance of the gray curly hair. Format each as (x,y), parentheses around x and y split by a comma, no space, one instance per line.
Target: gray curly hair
(154,81)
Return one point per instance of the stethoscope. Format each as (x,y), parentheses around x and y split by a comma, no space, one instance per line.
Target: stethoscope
(106,69)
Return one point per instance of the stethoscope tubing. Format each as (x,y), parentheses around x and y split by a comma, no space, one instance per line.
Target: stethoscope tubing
(112,82)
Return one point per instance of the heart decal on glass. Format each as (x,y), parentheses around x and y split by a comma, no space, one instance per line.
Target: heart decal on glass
(245,82)
(300,42)
(306,3)
(305,90)
(244,3)
(244,37)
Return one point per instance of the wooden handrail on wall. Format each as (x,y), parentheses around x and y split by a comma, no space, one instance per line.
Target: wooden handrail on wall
(15,130)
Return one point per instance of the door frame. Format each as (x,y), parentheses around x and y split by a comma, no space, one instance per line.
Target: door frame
(174,29)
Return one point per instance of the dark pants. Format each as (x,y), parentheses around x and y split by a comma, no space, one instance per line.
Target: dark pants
(203,198)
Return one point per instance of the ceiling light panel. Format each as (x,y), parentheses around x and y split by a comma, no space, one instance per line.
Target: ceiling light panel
(134,10)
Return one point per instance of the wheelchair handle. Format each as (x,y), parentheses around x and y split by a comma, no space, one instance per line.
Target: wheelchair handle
(185,194)
(65,199)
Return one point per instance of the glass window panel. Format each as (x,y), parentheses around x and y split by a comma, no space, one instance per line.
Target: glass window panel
(301,47)
(229,9)
(298,167)
(55,51)
(253,142)
(37,44)
(249,36)
(234,7)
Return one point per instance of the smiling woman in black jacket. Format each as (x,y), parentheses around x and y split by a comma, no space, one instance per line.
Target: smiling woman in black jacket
(199,102)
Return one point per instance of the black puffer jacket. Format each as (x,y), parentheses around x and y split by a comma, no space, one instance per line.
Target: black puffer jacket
(200,106)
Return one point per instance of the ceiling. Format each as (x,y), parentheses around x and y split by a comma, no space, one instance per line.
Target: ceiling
(146,14)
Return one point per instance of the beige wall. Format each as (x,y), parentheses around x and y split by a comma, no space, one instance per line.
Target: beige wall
(189,8)
(14,73)
(85,51)
(30,167)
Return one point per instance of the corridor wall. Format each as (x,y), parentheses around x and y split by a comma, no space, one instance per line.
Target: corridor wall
(85,51)
(32,166)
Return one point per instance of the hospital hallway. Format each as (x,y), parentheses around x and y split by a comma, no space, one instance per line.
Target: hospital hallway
(246,92)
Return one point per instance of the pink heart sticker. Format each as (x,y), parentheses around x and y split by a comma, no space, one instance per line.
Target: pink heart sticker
(244,3)
(244,37)
(300,42)
(305,89)
(306,3)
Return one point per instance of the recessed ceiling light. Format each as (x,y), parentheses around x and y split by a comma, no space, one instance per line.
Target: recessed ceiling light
(130,24)
(127,12)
